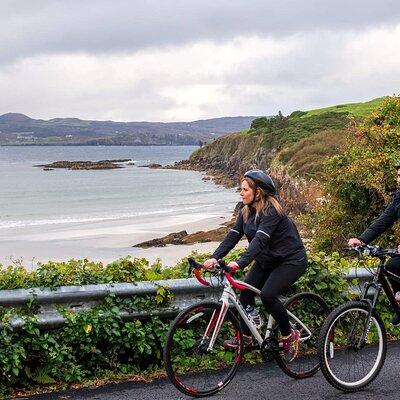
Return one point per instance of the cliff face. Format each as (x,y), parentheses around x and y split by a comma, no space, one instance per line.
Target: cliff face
(292,148)
(232,155)
(275,141)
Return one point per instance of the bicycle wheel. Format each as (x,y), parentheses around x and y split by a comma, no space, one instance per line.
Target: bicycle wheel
(310,310)
(346,363)
(191,367)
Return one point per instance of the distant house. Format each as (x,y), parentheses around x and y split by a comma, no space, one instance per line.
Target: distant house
(26,137)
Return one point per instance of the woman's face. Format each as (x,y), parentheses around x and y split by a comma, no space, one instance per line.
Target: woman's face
(246,193)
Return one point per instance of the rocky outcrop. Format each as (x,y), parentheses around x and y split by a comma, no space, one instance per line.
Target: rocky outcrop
(78,165)
(182,237)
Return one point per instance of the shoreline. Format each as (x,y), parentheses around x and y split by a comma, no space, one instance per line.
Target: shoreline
(105,241)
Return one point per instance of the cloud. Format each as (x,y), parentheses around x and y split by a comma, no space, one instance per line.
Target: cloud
(185,60)
(95,26)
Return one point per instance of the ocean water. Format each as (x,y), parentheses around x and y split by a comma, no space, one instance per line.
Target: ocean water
(31,197)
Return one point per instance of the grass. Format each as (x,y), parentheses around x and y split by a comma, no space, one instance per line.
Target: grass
(357,109)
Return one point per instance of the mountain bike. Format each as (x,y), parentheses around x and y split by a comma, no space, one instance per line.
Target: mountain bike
(352,343)
(197,362)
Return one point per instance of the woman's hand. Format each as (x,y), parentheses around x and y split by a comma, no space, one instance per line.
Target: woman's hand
(398,248)
(210,263)
(233,266)
(354,242)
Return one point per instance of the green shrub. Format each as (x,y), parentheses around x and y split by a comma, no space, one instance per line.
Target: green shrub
(96,342)
(361,180)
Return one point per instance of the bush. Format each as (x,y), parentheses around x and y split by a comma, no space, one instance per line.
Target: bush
(361,180)
(96,343)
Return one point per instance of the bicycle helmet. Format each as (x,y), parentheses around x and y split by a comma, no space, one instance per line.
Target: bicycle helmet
(262,180)
(397,165)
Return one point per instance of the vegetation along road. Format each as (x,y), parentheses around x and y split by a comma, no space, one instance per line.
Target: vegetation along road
(256,382)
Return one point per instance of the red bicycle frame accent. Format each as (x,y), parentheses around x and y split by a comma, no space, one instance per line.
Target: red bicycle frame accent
(233,283)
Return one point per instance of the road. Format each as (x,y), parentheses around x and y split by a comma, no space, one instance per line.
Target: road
(253,382)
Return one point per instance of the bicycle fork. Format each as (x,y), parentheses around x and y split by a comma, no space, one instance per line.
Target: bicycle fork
(368,322)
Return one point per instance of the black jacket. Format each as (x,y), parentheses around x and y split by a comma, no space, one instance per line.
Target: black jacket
(384,221)
(272,238)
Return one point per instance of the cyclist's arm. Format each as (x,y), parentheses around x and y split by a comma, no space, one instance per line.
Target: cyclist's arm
(268,223)
(384,221)
(231,239)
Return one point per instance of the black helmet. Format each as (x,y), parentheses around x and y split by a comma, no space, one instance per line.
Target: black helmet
(397,165)
(262,180)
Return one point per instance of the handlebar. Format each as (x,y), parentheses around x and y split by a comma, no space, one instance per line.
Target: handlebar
(221,266)
(374,251)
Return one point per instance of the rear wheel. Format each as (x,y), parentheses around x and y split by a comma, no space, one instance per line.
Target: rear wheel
(347,362)
(191,366)
(310,311)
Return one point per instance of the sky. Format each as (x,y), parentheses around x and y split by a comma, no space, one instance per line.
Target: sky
(184,60)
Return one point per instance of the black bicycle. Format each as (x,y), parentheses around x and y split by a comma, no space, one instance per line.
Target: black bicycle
(353,341)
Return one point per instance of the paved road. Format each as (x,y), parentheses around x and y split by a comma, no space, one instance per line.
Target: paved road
(258,382)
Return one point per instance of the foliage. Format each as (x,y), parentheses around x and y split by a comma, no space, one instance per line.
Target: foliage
(306,157)
(362,179)
(84,272)
(325,275)
(96,342)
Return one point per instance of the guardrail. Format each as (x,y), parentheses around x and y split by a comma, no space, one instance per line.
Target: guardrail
(79,298)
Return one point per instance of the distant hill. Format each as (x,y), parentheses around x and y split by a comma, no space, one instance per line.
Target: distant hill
(19,129)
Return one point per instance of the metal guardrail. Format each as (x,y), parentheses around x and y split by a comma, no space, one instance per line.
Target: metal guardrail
(79,298)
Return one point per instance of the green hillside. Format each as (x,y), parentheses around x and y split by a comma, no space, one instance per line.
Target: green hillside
(359,110)
(300,142)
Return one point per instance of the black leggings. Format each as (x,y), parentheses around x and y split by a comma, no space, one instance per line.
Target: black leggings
(393,265)
(273,281)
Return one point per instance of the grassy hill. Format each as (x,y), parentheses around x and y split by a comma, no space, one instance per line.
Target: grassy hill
(358,110)
(300,142)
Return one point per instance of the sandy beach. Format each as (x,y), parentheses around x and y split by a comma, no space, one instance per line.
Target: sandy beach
(104,241)
(101,215)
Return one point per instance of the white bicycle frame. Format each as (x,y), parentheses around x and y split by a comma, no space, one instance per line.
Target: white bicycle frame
(229,296)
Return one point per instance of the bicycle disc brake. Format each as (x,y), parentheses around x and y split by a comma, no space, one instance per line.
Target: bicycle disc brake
(269,348)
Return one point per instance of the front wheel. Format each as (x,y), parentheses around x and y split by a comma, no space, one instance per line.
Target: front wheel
(307,313)
(191,365)
(348,362)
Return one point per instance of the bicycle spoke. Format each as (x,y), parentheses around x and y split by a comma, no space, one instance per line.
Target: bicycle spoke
(192,367)
(352,366)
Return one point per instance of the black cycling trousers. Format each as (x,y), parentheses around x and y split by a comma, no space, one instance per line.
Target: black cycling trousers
(273,281)
(393,265)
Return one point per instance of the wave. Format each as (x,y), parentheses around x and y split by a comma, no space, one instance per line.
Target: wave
(71,220)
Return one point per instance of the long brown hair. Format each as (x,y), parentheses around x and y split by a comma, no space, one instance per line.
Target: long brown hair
(261,203)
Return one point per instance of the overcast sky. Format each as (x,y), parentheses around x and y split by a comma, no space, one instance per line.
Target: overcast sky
(183,60)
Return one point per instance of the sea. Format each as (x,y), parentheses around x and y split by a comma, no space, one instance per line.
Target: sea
(37,201)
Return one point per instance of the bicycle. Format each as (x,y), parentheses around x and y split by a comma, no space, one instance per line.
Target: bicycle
(353,341)
(199,365)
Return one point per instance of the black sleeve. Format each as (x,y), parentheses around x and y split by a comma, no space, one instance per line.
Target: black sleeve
(269,220)
(384,221)
(231,239)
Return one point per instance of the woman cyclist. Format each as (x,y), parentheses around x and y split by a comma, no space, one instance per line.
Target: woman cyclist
(275,246)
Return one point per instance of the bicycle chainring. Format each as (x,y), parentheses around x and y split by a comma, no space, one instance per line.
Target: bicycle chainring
(269,348)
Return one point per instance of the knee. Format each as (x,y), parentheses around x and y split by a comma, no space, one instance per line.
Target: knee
(393,265)
(268,299)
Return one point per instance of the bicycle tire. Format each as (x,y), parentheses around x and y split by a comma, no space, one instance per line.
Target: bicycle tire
(312,310)
(190,366)
(332,345)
